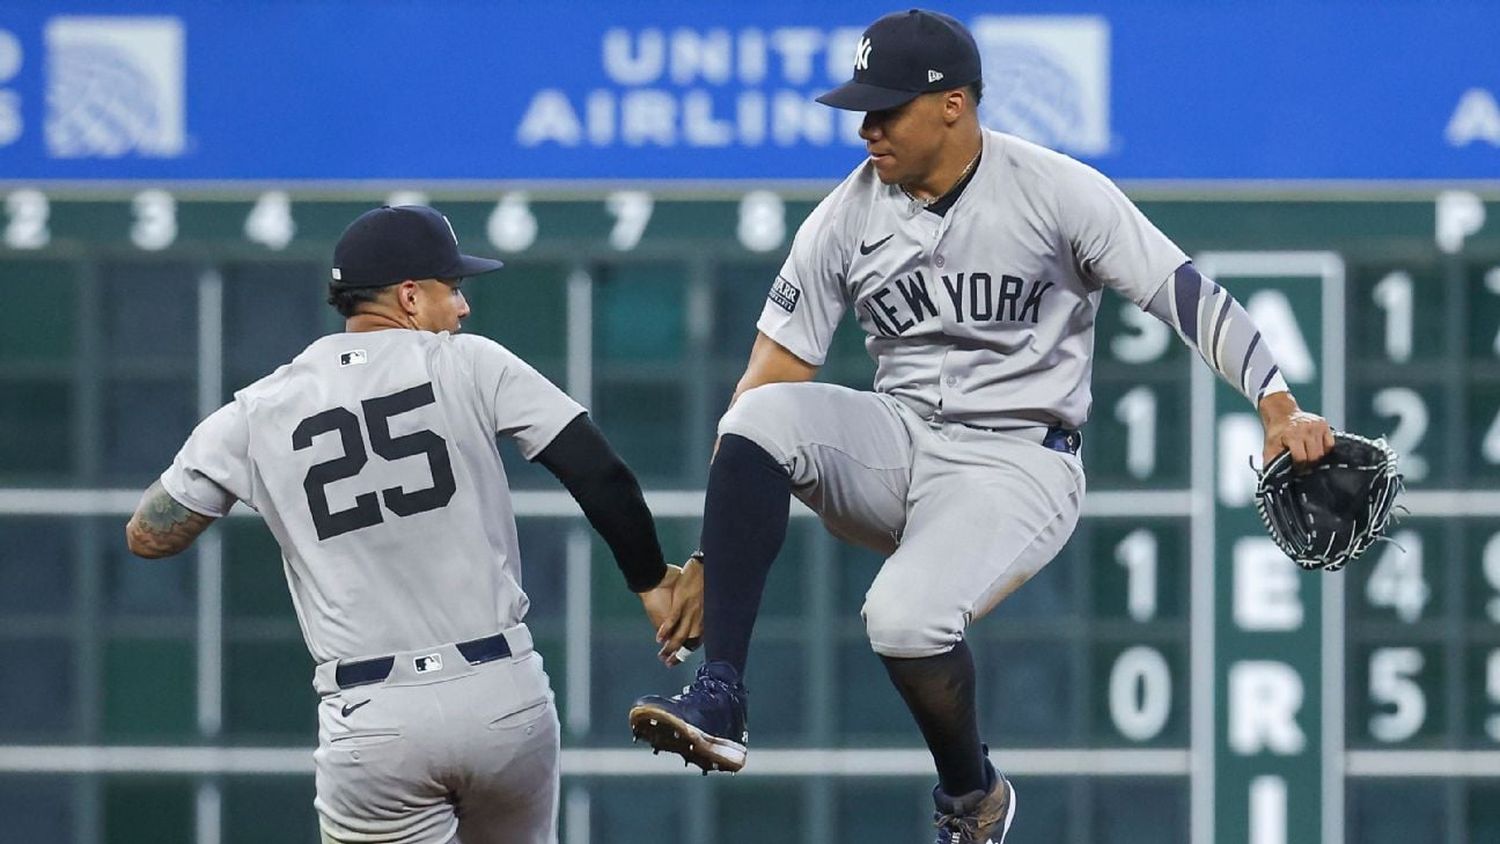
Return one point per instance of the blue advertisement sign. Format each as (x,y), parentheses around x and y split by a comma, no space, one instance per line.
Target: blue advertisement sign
(605,91)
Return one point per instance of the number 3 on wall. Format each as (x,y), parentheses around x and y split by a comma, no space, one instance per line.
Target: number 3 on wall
(366,509)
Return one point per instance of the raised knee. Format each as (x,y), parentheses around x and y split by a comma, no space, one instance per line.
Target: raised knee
(899,628)
(759,413)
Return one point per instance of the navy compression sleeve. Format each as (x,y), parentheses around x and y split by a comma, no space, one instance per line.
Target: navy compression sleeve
(610,497)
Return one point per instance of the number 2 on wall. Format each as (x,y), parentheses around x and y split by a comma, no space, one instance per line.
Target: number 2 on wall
(366,509)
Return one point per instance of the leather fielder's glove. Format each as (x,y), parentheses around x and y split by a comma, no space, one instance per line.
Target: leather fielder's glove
(1327,514)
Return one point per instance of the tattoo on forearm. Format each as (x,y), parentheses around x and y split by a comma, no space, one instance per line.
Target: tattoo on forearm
(161,526)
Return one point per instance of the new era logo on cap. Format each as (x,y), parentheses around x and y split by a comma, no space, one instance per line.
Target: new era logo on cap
(934,75)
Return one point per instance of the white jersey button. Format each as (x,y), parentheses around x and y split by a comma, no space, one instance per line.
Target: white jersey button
(953,380)
(939,261)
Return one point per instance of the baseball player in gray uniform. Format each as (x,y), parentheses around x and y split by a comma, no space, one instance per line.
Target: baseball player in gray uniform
(372,458)
(974,262)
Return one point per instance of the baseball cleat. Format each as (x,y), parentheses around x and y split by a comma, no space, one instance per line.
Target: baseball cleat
(706,724)
(979,817)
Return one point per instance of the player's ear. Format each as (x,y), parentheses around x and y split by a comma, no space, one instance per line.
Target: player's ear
(407,293)
(954,103)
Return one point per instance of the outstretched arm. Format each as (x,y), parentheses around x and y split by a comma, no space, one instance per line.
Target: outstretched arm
(610,497)
(161,526)
(1209,320)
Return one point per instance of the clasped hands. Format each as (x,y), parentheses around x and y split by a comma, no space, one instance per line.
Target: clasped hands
(675,609)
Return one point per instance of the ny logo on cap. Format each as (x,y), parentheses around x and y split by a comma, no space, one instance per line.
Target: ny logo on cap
(862,54)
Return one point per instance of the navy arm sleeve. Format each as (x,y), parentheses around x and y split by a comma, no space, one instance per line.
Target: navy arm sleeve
(610,497)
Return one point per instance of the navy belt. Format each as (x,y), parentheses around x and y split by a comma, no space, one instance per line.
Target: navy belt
(363,671)
(1057,438)
(1065,440)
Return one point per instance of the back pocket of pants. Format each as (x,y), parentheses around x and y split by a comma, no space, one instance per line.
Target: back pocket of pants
(523,717)
(363,738)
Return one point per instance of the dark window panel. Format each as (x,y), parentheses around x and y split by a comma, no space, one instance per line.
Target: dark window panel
(869,711)
(758,811)
(137,587)
(150,689)
(776,677)
(524,307)
(1398,812)
(639,312)
(38,697)
(1027,693)
(272,311)
(1045,812)
(623,670)
(148,810)
(36,569)
(260,809)
(268,694)
(36,808)
(638,811)
(36,431)
(646,422)
(881,809)
(739,294)
(254,578)
(1145,811)
(150,314)
(45,330)
(145,424)
(612,601)
(1483,817)
(544,565)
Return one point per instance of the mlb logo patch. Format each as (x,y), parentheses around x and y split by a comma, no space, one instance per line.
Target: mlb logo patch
(430,662)
(352,358)
(785,294)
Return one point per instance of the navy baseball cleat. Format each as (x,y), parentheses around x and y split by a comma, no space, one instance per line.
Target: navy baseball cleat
(979,817)
(705,724)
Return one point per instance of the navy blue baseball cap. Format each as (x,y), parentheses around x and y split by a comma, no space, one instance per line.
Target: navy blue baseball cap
(389,245)
(904,55)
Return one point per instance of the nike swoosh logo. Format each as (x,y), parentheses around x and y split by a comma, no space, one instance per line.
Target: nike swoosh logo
(867,248)
(350,707)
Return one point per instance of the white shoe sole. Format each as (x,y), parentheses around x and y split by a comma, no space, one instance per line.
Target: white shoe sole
(666,731)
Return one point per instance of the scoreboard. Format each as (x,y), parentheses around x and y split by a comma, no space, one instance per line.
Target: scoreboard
(1171,677)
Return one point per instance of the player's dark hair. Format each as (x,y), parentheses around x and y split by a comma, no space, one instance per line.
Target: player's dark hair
(975,90)
(346,300)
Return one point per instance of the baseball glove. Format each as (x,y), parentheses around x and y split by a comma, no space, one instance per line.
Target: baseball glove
(1327,514)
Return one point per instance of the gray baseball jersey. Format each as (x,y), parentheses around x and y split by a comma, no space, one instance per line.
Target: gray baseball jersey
(372,458)
(984,315)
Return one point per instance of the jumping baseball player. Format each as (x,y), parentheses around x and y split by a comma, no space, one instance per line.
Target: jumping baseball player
(372,458)
(974,262)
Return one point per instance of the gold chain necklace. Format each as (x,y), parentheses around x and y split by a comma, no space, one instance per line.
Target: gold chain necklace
(924,203)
